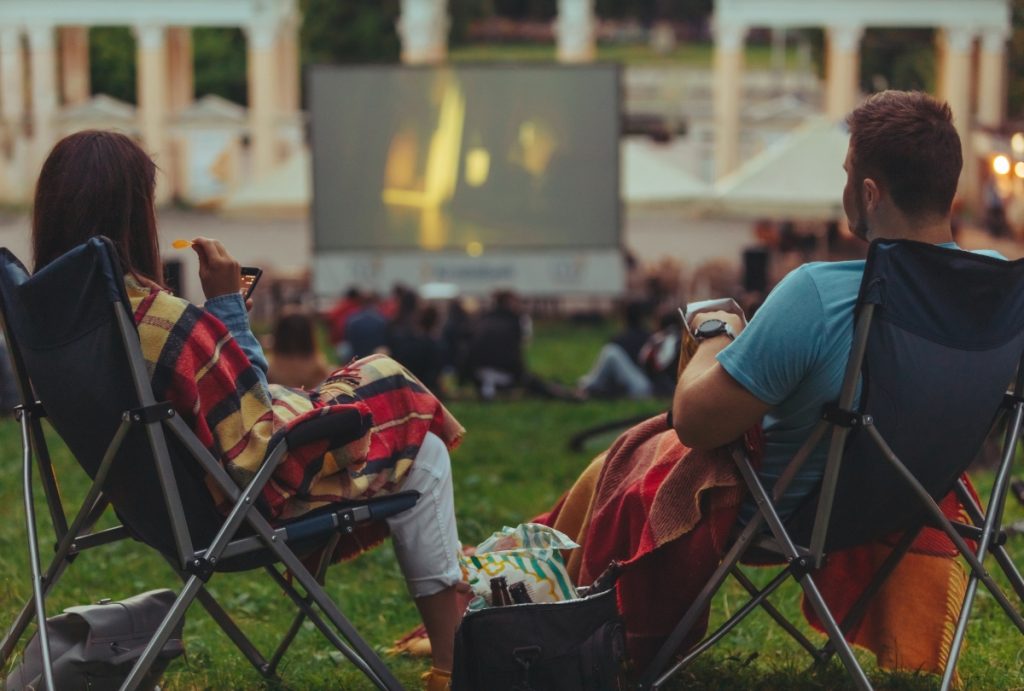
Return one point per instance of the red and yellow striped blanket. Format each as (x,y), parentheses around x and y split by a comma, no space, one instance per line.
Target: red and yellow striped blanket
(196,365)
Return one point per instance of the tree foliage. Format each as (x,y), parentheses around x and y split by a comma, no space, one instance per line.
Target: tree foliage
(1015,70)
(220,59)
(112,62)
(350,31)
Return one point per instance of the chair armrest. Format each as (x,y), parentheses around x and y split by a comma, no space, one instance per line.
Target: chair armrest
(337,428)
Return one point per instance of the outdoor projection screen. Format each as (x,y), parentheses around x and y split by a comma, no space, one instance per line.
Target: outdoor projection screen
(474,175)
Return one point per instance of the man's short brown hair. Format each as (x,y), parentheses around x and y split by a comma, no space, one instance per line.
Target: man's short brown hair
(906,142)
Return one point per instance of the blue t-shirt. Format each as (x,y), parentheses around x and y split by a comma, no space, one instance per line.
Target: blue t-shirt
(792,356)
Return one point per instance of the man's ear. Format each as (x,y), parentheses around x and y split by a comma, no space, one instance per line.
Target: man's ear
(871,193)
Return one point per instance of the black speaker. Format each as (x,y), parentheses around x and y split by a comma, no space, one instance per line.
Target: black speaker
(755,269)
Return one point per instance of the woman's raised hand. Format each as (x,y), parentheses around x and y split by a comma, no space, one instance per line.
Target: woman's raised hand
(219,272)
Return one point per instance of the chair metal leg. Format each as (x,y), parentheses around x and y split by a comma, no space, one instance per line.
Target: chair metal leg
(305,605)
(652,677)
(226,623)
(38,585)
(775,614)
(834,633)
(759,598)
(859,609)
(325,559)
(163,632)
(230,628)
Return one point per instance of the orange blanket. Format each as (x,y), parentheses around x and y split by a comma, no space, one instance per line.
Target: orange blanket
(667,513)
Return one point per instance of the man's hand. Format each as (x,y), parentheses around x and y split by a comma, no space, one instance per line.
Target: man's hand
(219,272)
(710,408)
(734,321)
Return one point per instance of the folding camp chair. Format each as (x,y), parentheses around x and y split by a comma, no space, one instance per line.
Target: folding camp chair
(938,337)
(79,362)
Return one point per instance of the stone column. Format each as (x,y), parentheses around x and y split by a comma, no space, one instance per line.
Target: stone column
(574,29)
(13,182)
(74,64)
(843,70)
(180,69)
(289,59)
(992,79)
(12,80)
(43,90)
(727,89)
(263,95)
(955,88)
(423,28)
(151,89)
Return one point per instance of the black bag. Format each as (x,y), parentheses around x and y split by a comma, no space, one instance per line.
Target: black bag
(94,647)
(574,645)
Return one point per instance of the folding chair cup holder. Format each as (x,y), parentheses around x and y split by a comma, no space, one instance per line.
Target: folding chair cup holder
(82,367)
(938,335)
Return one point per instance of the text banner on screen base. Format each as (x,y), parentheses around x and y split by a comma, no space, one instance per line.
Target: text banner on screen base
(550,273)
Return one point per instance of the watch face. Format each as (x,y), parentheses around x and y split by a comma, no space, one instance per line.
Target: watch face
(711,327)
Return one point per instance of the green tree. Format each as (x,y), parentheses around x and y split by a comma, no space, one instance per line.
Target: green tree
(220,63)
(350,31)
(112,62)
(1015,71)
(898,59)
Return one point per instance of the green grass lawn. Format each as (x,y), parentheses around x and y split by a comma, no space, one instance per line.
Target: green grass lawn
(513,464)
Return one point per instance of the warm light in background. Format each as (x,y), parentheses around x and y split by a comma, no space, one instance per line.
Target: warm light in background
(1018,169)
(1017,142)
(1001,165)
(474,248)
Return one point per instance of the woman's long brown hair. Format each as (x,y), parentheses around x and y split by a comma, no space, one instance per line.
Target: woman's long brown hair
(97,183)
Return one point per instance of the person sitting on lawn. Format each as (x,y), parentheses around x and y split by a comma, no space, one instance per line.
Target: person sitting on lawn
(294,359)
(666,497)
(206,362)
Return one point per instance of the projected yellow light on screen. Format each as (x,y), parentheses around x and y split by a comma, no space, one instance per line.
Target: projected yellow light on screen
(474,248)
(442,165)
(478,166)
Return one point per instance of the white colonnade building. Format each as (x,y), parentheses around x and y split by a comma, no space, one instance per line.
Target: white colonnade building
(971,75)
(971,51)
(45,89)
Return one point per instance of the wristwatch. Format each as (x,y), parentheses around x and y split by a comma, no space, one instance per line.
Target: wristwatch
(711,328)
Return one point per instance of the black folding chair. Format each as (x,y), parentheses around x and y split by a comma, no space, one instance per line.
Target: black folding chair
(78,360)
(938,337)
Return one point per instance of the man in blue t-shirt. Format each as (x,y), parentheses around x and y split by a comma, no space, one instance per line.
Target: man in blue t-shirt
(902,168)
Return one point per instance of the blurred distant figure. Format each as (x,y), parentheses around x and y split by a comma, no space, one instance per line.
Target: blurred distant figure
(349,303)
(495,358)
(417,347)
(295,360)
(411,340)
(616,371)
(456,336)
(366,330)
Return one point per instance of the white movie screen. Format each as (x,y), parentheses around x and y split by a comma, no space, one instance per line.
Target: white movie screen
(467,158)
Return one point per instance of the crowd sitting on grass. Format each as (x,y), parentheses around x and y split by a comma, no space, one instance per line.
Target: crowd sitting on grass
(763,376)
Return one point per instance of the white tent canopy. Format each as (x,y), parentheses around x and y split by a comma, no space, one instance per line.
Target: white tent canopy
(285,191)
(654,173)
(799,177)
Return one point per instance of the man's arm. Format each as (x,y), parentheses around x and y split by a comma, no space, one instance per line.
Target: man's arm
(710,408)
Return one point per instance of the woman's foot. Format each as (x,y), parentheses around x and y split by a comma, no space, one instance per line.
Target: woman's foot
(436,680)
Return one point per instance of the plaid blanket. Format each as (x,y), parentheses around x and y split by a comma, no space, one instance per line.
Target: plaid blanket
(195,364)
(667,514)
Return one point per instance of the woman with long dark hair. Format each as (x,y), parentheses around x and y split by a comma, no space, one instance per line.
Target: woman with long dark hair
(208,364)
